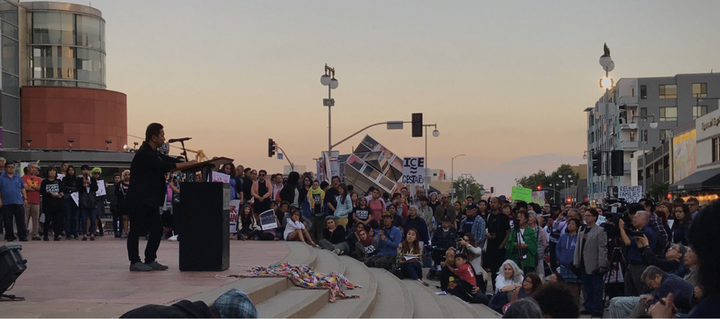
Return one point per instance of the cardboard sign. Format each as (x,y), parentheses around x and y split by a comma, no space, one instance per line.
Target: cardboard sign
(538,197)
(631,194)
(267,220)
(220,177)
(101,188)
(234,213)
(522,193)
(413,171)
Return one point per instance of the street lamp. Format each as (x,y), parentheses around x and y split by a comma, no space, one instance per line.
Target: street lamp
(328,79)
(435,133)
(452,174)
(606,83)
(70,143)
(28,141)
(107,144)
(643,132)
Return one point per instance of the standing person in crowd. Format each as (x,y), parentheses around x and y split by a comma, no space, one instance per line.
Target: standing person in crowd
(401,207)
(239,186)
(554,232)
(343,207)
(591,259)
(530,284)
(376,205)
(361,213)
(249,178)
(146,197)
(317,197)
(295,230)
(483,209)
(334,237)
(434,201)
(565,252)
(71,182)
(388,238)
(117,220)
(63,170)
(694,206)
(304,199)
(522,244)
(100,199)
(459,213)
(498,233)
(366,246)
(634,286)
(121,190)
(681,224)
(248,226)
(32,208)
(12,198)
(261,192)
(443,239)
(474,224)
(229,169)
(666,214)
(657,226)
(425,212)
(330,200)
(444,210)
(52,204)
(277,183)
(87,189)
(416,222)
(409,256)
(289,191)
(541,244)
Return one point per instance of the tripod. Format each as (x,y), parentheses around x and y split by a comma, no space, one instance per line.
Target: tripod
(613,278)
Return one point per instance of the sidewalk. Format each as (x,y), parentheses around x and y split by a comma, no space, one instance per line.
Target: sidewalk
(72,278)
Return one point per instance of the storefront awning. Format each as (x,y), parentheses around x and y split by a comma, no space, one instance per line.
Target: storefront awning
(702,180)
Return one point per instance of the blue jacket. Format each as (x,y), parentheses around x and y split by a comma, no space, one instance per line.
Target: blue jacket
(11,190)
(343,210)
(393,238)
(478,229)
(565,249)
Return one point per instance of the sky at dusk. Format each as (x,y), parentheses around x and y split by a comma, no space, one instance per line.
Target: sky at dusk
(505,81)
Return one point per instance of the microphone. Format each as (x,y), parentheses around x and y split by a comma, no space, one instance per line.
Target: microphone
(182,139)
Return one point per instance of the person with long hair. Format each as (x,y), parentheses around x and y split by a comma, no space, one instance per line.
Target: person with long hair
(565,252)
(248,226)
(509,278)
(334,237)
(530,284)
(683,218)
(295,230)
(304,199)
(470,247)
(361,213)
(366,245)
(409,256)
(290,191)
(71,209)
(522,243)
(121,190)
(344,206)
(229,169)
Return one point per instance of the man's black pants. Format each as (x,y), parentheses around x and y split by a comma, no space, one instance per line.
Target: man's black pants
(18,212)
(143,220)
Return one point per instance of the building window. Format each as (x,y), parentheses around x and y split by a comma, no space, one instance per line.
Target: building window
(645,136)
(668,91)
(632,136)
(643,91)
(699,89)
(668,114)
(632,91)
(699,110)
(665,135)
(716,149)
(643,112)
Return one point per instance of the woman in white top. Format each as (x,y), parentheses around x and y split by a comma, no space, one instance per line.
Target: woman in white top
(469,246)
(295,230)
(509,278)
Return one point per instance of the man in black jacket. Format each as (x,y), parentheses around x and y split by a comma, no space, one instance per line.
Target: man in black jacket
(443,238)
(146,195)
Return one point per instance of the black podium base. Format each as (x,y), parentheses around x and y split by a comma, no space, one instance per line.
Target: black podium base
(204,226)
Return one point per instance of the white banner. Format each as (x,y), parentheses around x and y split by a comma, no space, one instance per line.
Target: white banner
(631,194)
(220,177)
(413,171)
(234,212)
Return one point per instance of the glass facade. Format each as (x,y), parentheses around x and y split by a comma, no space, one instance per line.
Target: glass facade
(66,49)
(10,96)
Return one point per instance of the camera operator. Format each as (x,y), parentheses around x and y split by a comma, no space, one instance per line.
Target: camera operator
(634,285)
(657,227)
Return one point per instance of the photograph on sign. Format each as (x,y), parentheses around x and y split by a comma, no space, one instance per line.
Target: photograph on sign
(267,220)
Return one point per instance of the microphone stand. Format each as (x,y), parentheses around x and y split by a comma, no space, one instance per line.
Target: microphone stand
(182,143)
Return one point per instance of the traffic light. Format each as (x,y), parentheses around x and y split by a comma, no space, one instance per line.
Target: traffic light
(271,147)
(617,167)
(539,187)
(417,125)
(596,162)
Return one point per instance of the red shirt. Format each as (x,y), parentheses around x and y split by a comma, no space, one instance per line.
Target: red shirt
(33,196)
(466,274)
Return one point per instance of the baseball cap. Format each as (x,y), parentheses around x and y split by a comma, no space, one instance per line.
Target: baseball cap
(471,206)
(387,214)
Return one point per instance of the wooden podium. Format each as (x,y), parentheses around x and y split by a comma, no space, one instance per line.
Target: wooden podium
(204,210)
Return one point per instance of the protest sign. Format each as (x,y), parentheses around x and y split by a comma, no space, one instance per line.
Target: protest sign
(267,220)
(538,197)
(521,193)
(234,211)
(413,171)
(220,177)
(631,194)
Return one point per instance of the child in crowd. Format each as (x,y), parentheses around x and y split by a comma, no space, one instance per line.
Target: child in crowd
(466,288)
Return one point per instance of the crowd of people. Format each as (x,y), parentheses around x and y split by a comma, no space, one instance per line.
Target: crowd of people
(618,260)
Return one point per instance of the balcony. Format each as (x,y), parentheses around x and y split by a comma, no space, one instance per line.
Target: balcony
(626,126)
(629,145)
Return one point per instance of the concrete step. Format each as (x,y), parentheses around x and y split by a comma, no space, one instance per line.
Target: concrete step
(426,304)
(296,302)
(393,296)
(260,290)
(358,274)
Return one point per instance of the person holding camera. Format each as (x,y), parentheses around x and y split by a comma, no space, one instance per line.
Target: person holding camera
(591,258)
(522,244)
(634,286)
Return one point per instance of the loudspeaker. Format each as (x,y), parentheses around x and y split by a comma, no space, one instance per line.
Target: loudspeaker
(204,226)
(12,265)
(617,168)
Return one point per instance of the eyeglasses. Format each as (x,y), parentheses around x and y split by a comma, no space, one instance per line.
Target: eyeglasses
(262,175)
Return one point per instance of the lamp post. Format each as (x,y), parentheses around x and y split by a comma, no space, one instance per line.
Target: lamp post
(107,144)
(452,175)
(643,140)
(328,79)
(566,180)
(435,133)
(606,83)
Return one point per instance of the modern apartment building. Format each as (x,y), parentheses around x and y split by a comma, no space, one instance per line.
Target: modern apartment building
(639,115)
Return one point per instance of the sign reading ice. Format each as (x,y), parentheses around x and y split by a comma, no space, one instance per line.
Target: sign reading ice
(413,171)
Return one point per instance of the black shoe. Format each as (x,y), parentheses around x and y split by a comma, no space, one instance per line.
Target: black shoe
(92,238)
(56,239)
(23,239)
(584,312)
(84,238)
(46,239)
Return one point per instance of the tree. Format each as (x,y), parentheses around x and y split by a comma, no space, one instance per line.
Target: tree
(550,182)
(657,191)
(532,181)
(467,186)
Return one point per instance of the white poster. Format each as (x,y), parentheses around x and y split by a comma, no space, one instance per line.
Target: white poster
(76,197)
(631,194)
(220,177)
(413,171)
(234,211)
(101,188)
(267,220)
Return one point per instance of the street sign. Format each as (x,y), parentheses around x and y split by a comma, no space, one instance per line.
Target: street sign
(413,171)
(328,102)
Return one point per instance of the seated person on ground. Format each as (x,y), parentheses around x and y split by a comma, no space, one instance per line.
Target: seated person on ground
(409,256)
(530,284)
(446,271)
(365,247)
(334,237)
(443,238)
(296,231)
(466,288)
(388,240)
